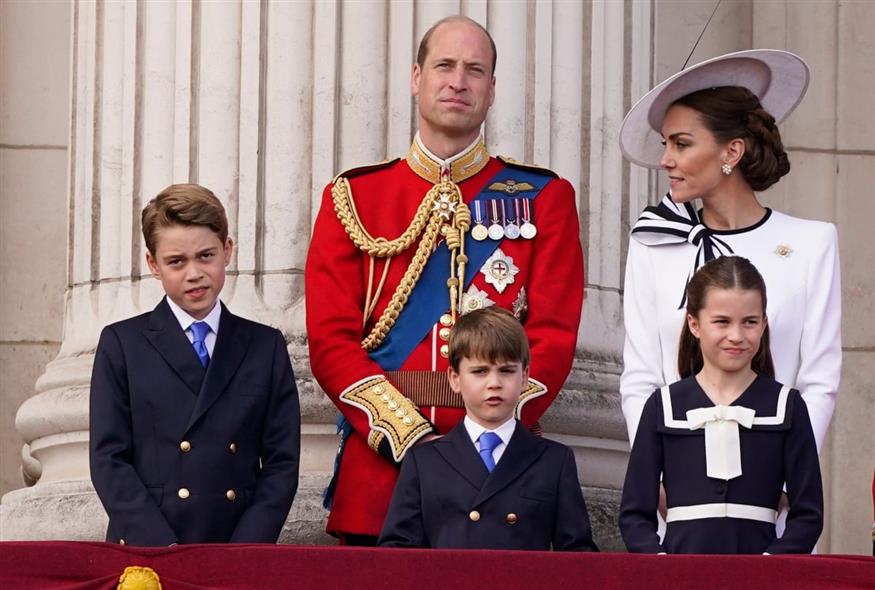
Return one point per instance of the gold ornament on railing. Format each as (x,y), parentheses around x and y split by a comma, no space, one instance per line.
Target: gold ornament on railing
(139,578)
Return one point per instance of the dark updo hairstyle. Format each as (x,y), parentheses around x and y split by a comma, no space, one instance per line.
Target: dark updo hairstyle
(731,112)
(726,272)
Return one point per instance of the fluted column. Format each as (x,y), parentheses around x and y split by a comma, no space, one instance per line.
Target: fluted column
(263,102)
(830,140)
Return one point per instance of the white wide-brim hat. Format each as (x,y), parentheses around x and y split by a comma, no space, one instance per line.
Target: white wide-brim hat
(778,78)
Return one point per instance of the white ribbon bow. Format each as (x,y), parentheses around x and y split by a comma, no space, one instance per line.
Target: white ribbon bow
(722,446)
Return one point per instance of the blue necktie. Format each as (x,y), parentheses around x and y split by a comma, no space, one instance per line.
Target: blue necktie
(200,330)
(488,442)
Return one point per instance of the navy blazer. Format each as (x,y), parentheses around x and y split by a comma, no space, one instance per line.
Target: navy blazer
(446,498)
(183,454)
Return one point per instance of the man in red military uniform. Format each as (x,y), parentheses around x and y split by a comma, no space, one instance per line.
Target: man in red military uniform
(402,248)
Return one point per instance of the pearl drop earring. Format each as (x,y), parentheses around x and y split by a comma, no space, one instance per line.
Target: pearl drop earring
(727,169)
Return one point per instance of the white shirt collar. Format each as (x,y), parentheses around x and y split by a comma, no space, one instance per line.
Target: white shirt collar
(504,432)
(445,164)
(185,320)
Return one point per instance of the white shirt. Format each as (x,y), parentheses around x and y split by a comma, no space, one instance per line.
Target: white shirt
(799,262)
(185,321)
(504,432)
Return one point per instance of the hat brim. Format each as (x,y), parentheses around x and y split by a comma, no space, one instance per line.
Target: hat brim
(778,78)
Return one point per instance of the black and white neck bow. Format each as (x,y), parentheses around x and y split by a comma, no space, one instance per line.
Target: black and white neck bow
(674,223)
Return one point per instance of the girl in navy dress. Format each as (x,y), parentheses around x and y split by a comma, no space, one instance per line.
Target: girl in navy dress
(727,437)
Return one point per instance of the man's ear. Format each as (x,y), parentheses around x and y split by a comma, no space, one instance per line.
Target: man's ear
(414,79)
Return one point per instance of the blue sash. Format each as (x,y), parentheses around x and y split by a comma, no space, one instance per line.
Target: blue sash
(429,298)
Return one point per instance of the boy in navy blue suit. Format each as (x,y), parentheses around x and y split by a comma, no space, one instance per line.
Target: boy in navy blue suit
(194,417)
(489,483)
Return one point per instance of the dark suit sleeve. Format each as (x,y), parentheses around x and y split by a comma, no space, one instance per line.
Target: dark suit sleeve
(804,485)
(641,489)
(571,529)
(280,455)
(404,526)
(135,515)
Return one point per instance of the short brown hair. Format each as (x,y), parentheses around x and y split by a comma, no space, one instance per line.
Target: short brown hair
(490,334)
(183,204)
(726,272)
(456,18)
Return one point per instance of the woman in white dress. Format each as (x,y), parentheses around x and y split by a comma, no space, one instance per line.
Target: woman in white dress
(717,121)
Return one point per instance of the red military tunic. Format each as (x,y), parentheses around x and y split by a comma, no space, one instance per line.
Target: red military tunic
(546,293)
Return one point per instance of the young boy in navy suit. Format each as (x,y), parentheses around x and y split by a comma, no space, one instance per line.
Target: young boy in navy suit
(194,418)
(489,483)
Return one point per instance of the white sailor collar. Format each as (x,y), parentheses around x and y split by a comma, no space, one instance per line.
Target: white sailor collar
(769,400)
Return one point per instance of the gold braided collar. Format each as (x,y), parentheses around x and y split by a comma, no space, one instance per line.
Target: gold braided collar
(462,166)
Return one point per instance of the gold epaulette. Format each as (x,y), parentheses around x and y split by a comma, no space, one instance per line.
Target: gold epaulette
(359,170)
(534,167)
(532,390)
(392,417)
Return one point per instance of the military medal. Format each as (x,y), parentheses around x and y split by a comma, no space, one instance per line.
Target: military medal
(499,270)
(474,299)
(479,232)
(520,305)
(496,231)
(528,229)
(512,230)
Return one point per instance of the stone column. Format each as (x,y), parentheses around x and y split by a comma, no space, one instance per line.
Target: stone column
(263,102)
(831,143)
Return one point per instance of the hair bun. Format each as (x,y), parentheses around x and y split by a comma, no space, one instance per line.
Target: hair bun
(732,112)
(765,160)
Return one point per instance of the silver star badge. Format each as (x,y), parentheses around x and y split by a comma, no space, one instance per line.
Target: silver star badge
(474,299)
(499,270)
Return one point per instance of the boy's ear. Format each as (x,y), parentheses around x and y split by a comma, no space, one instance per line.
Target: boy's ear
(229,247)
(693,324)
(153,266)
(453,378)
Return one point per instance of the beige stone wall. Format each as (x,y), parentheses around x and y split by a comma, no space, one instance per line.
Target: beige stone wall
(34,98)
